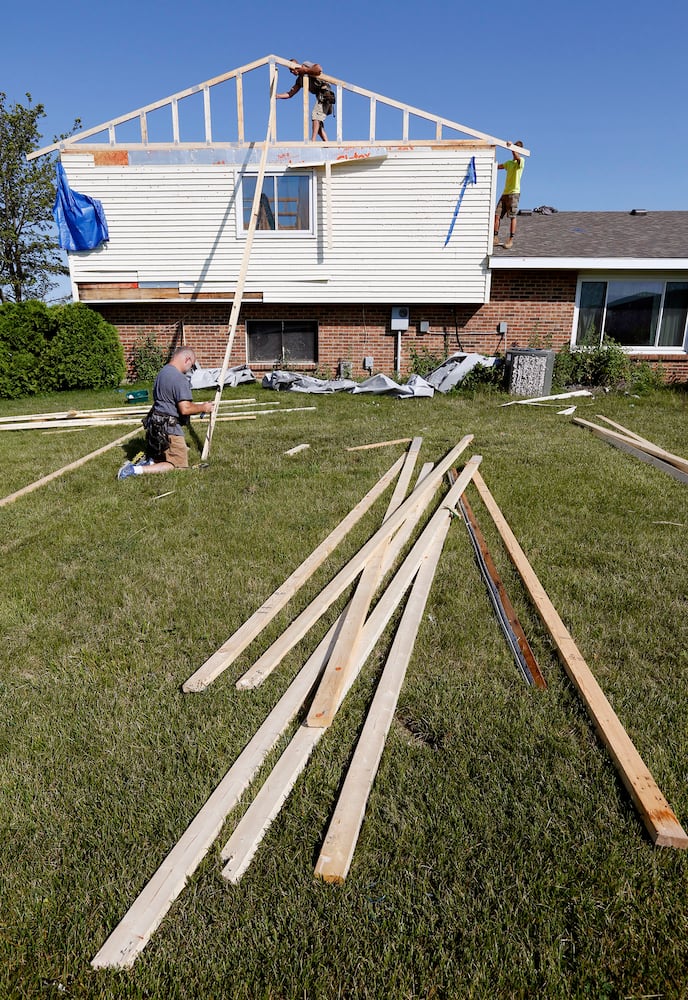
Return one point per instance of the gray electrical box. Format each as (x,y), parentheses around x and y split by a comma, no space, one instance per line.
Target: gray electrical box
(368,364)
(400,317)
(529,371)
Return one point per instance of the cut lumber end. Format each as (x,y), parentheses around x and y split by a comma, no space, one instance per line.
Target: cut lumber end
(295,450)
(193,687)
(330,878)
(666,831)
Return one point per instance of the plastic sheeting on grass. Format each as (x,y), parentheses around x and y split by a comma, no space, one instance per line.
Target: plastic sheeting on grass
(378,385)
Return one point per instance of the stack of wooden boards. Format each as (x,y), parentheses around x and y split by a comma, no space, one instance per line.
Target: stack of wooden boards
(330,671)
(639,447)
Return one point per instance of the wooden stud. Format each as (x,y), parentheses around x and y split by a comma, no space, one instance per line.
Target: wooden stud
(66,468)
(298,628)
(380,444)
(622,429)
(509,609)
(646,446)
(343,655)
(643,456)
(241,278)
(240,107)
(659,819)
(339,845)
(239,640)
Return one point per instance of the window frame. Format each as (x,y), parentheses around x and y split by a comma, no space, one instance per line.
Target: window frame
(642,278)
(283,357)
(271,234)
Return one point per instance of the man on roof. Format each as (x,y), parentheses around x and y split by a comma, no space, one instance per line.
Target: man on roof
(508,203)
(323,92)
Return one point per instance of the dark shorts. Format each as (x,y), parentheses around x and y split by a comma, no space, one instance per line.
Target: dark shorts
(508,205)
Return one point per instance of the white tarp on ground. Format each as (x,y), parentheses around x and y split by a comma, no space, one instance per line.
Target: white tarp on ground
(208,378)
(377,385)
(455,368)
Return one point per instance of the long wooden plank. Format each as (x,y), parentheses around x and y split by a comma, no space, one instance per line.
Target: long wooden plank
(340,841)
(542,399)
(657,463)
(244,842)
(646,446)
(509,609)
(243,271)
(298,628)
(253,626)
(65,468)
(342,658)
(622,429)
(658,817)
(379,444)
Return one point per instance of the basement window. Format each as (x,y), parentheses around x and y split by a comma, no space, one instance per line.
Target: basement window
(638,313)
(282,342)
(285,203)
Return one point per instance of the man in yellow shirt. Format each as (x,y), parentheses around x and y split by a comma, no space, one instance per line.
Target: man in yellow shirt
(508,203)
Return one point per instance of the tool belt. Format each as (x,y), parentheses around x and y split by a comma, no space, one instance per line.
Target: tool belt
(158,428)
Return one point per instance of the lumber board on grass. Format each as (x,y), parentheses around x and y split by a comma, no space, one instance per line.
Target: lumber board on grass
(67,416)
(341,660)
(658,817)
(253,626)
(65,468)
(244,842)
(379,444)
(643,456)
(298,628)
(622,429)
(646,446)
(340,841)
(135,929)
(509,609)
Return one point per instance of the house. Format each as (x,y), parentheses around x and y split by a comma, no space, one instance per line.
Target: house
(369,247)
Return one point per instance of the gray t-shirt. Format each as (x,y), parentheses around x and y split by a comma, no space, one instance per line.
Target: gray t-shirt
(169,388)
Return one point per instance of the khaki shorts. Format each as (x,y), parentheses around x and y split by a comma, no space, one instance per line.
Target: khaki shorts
(508,205)
(319,113)
(177,454)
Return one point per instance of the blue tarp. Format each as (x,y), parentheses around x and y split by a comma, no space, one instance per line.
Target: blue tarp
(80,220)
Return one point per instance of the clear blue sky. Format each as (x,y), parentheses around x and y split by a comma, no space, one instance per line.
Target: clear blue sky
(596,90)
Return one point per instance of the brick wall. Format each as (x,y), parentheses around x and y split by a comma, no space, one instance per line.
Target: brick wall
(537,306)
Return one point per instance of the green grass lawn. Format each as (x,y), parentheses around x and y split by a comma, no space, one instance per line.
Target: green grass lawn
(500,855)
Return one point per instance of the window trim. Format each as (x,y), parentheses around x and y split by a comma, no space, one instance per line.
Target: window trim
(299,362)
(272,234)
(664,277)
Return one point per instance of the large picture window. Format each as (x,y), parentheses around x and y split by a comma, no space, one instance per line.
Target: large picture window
(285,203)
(635,312)
(282,342)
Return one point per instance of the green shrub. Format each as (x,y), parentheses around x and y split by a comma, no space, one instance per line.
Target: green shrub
(85,353)
(484,377)
(643,378)
(25,331)
(424,361)
(147,358)
(606,365)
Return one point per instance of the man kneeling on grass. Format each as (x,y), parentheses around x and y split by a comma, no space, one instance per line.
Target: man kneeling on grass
(172,406)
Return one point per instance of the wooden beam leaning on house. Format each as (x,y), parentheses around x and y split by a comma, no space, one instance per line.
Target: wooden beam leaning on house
(300,626)
(635,442)
(658,817)
(253,626)
(243,844)
(241,278)
(342,657)
(340,841)
(66,468)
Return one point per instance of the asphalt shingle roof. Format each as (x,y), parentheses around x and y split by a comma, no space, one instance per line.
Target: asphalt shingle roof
(598,234)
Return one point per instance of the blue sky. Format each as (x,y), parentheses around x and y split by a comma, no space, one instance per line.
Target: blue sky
(595,90)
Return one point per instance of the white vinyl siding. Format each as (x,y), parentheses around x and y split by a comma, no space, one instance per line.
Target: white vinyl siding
(384,240)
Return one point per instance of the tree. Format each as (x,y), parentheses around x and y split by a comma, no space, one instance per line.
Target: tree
(29,253)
